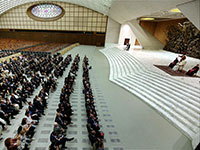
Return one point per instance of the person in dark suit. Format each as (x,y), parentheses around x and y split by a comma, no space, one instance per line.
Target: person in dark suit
(4,116)
(5,108)
(38,104)
(59,119)
(33,110)
(15,100)
(57,140)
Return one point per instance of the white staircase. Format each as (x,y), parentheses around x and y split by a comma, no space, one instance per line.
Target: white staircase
(178,102)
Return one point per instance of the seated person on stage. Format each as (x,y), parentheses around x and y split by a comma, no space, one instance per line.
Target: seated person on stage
(193,71)
(182,64)
(172,64)
(183,56)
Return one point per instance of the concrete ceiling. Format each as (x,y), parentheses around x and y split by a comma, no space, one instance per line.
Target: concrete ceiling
(126,10)
(164,16)
(101,6)
(119,10)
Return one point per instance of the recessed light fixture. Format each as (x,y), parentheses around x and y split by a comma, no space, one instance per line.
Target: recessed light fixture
(175,10)
(147,18)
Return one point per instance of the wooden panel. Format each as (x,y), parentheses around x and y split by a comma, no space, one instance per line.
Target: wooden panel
(160,29)
(61,37)
(149,26)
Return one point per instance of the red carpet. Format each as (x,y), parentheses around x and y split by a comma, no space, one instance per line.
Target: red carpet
(172,72)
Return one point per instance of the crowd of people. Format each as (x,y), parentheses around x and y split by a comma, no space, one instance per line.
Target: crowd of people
(30,46)
(47,47)
(179,63)
(18,80)
(13,44)
(58,136)
(96,136)
(5,54)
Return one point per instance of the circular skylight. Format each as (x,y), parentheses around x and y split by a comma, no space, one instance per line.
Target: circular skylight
(46,11)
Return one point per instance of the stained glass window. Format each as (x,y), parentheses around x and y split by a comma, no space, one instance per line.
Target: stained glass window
(46,10)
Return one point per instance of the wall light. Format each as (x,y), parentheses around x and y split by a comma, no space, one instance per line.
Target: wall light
(175,10)
(147,18)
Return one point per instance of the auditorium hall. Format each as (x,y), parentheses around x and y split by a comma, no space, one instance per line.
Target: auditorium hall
(99,75)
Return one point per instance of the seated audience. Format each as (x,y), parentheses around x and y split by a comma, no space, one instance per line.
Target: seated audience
(22,77)
(63,117)
(95,135)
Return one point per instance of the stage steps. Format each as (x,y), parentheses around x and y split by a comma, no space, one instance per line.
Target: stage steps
(177,102)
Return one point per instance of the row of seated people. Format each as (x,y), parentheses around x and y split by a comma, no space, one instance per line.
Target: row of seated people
(64,112)
(179,63)
(13,44)
(5,54)
(96,136)
(60,68)
(49,47)
(59,47)
(36,53)
(39,102)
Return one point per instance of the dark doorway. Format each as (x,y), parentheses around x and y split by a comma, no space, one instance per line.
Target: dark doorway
(126,41)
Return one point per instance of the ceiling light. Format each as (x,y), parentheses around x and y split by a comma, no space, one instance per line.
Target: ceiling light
(175,10)
(147,18)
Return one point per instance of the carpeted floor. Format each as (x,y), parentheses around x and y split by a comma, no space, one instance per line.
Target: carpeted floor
(172,72)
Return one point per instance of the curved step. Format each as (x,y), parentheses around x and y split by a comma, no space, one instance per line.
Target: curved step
(187,113)
(171,90)
(159,108)
(176,101)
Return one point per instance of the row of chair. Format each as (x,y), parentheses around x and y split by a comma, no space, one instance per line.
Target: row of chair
(96,136)
(64,111)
